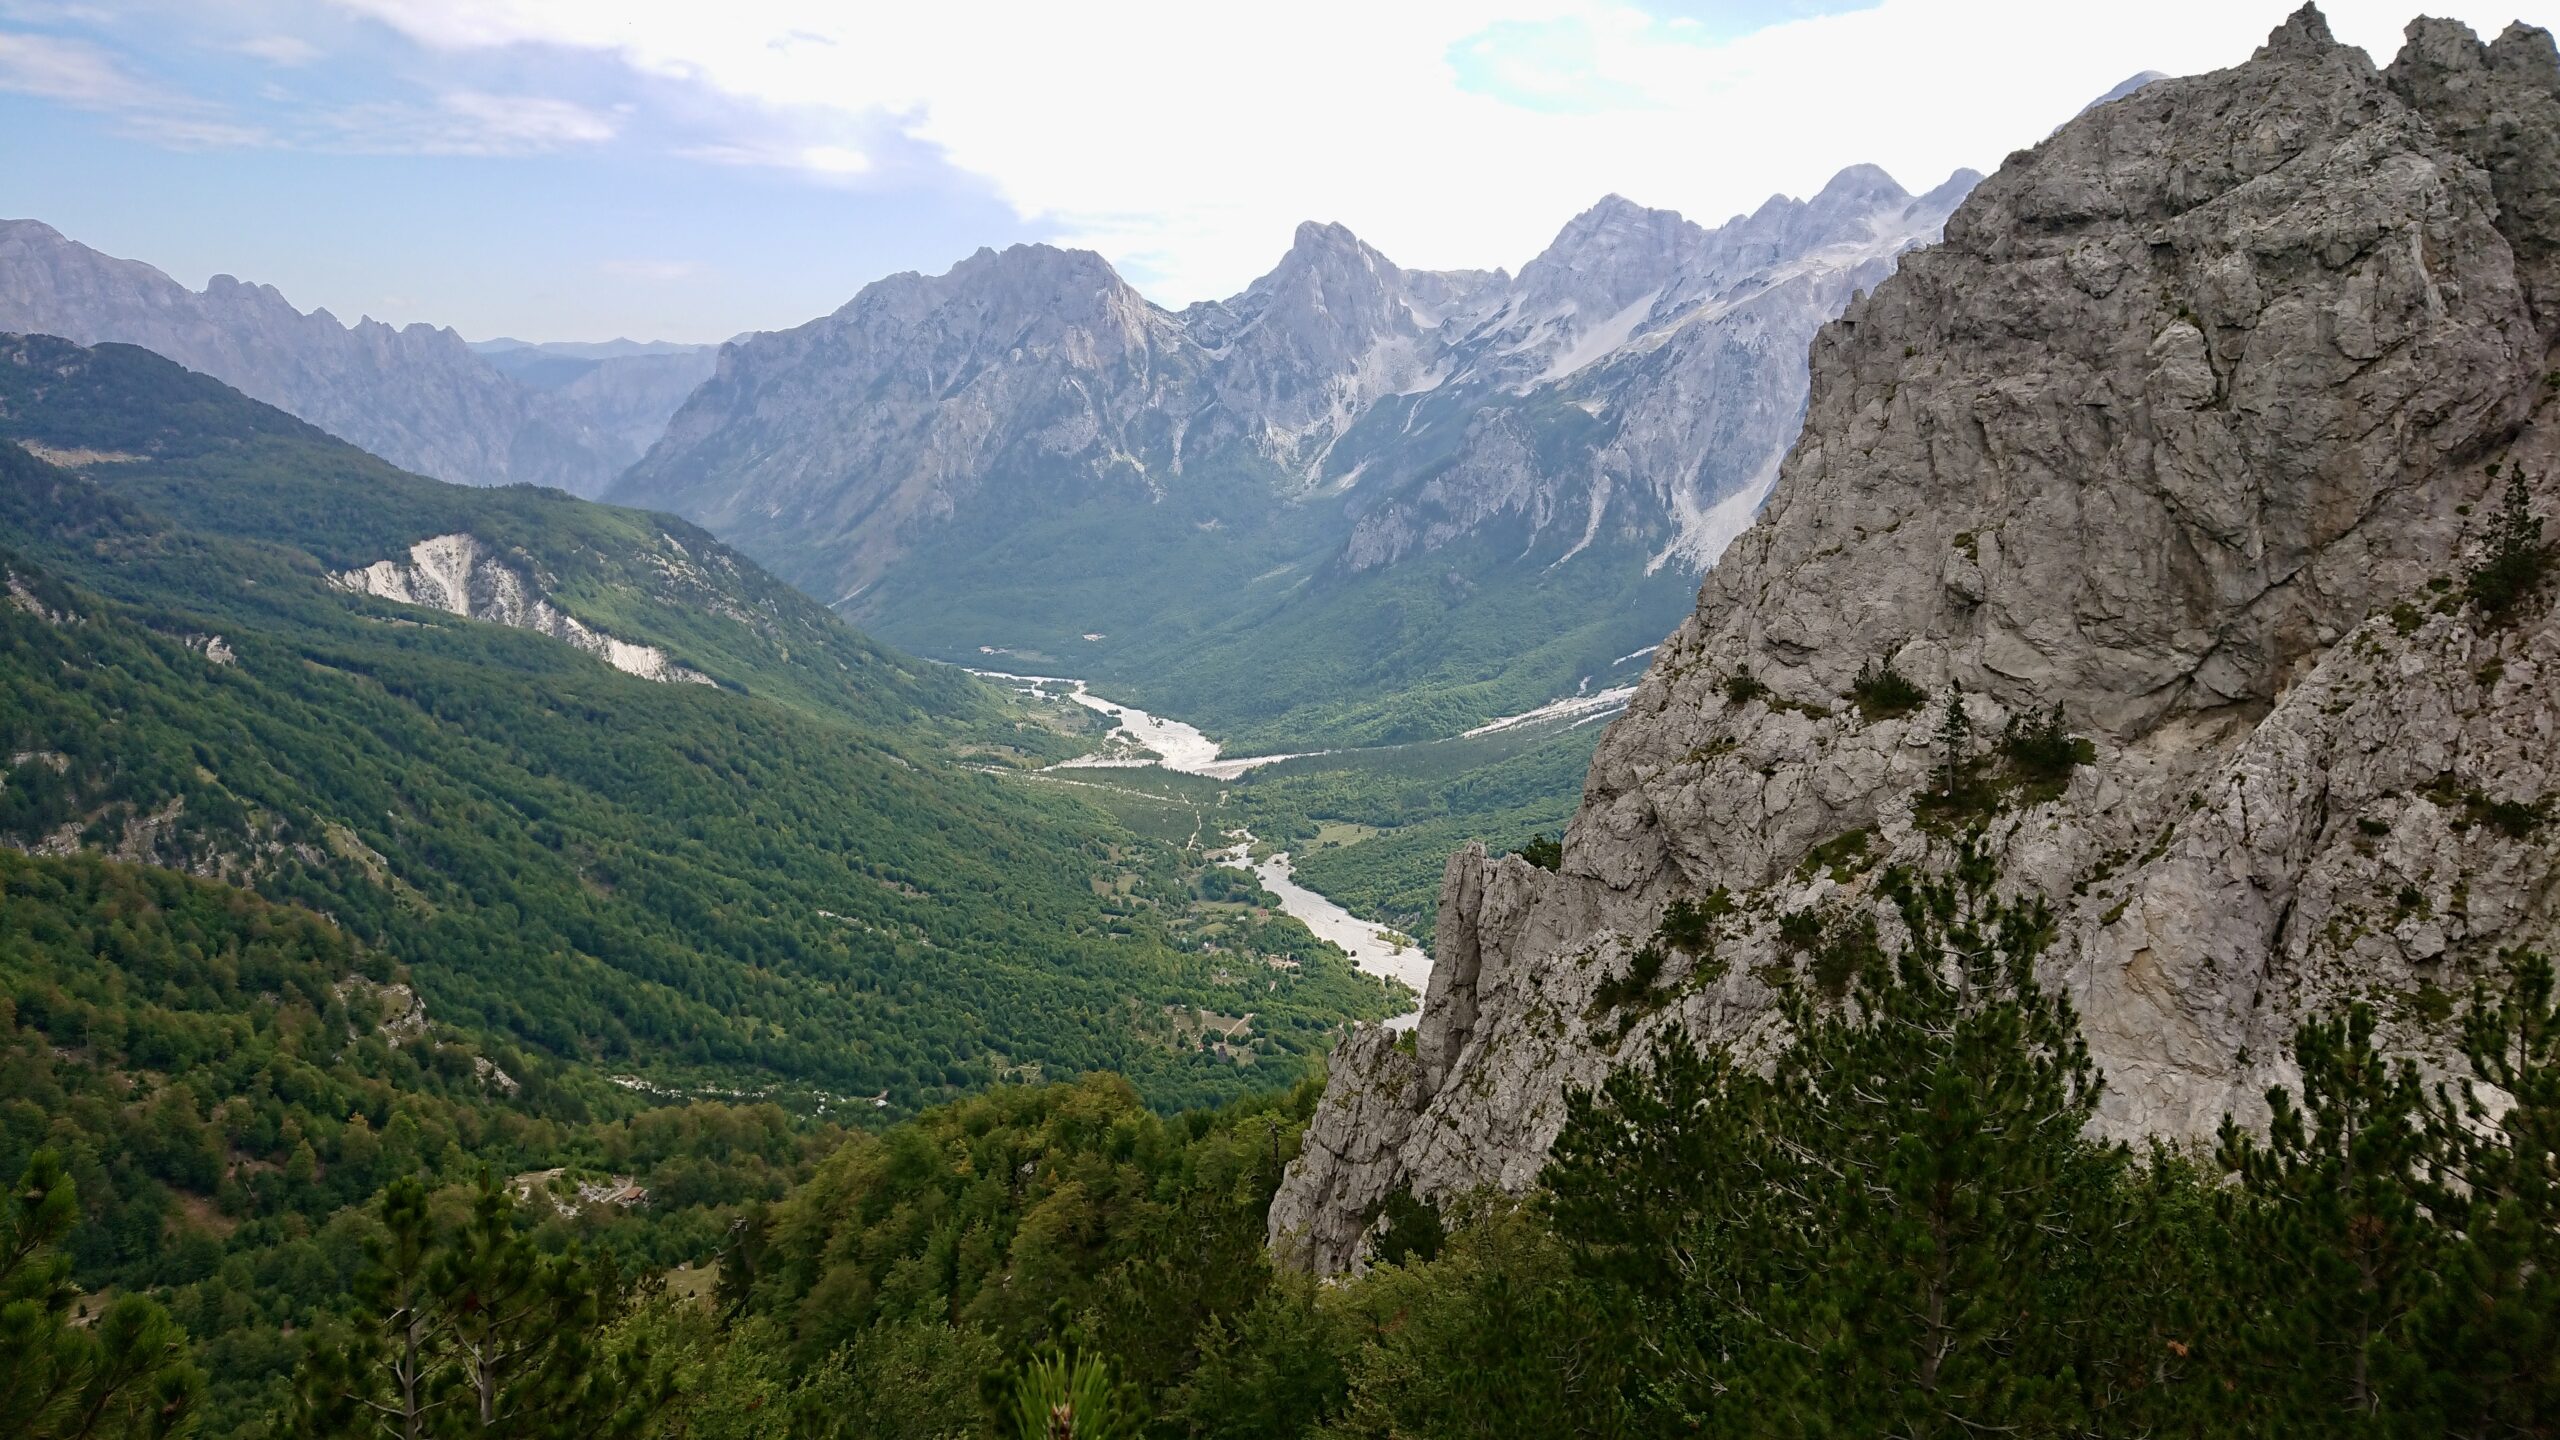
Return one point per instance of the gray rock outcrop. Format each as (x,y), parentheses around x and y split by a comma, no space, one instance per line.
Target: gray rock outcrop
(461,576)
(2192,425)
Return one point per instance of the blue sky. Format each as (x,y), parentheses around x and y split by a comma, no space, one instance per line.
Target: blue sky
(577,169)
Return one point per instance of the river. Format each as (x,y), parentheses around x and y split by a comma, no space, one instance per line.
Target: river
(1373,947)
(1139,739)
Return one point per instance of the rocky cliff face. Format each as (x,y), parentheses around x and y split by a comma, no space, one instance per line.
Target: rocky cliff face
(416,396)
(2192,425)
(461,576)
(843,437)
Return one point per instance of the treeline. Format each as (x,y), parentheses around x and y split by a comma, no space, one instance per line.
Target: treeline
(1899,1228)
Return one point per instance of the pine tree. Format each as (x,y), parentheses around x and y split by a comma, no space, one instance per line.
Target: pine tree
(470,1333)
(2332,1240)
(521,1325)
(126,1376)
(1062,1397)
(1891,1234)
(1954,746)
(2516,562)
(392,1377)
(2491,1330)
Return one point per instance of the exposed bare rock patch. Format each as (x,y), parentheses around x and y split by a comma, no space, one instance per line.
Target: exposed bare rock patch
(461,576)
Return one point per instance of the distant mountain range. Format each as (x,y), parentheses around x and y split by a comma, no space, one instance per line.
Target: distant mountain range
(418,395)
(1354,503)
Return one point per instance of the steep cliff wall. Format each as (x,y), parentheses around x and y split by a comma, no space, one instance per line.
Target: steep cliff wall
(2192,426)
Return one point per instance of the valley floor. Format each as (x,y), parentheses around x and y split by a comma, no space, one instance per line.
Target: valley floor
(1353,841)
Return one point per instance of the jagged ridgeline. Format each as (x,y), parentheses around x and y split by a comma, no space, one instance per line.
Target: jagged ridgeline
(1354,504)
(417,395)
(2172,524)
(665,815)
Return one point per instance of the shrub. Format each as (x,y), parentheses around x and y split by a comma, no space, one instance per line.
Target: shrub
(2514,819)
(1742,687)
(1689,925)
(1619,991)
(1882,692)
(1844,855)
(1413,1233)
(1542,852)
(2041,751)
(1800,930)
(2517,561)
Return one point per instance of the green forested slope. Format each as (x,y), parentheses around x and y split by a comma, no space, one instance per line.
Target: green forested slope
(209,460)
(222,1077)
(1899,1227)
(701,885)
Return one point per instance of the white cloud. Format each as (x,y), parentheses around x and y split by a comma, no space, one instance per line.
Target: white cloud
(74,73)
(467,122)
(835,162)
(53,68)
(288,51)
(1186,140)
(530,121)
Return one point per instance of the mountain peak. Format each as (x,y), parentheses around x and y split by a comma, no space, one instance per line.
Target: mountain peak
(1325,235)
(1615,212)
(2304,32)
(1035,263)
(1865,185)
(2127,86)
(1952,189)
(415,395)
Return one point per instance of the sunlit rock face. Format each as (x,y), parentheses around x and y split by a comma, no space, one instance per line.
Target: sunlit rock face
(461,576)
(2192,425)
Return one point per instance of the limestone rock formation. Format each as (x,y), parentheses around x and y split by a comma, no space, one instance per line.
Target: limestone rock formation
(2193,425)
(460,576)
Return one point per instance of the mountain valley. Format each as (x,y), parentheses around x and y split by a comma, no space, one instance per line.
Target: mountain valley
(1916,814)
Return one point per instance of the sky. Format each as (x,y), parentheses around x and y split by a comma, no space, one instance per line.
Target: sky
(584,169)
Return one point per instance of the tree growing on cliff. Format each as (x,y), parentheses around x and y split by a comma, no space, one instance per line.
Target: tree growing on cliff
(1889,1234)
(2516,563)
